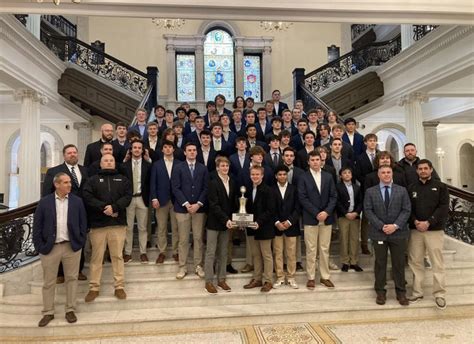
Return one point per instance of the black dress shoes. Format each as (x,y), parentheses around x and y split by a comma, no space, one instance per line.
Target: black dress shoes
(381,298)
(71,317)
(356,268)
(45,320)
(345,268)
(230,269)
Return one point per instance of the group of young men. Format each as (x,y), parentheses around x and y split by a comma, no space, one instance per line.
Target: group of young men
(303,173)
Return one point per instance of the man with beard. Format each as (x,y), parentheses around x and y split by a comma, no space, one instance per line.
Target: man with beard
(409,162)
(93,149)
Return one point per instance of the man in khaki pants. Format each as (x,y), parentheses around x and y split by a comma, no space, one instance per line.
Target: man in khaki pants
(59,233)
(107,195)
(430,206)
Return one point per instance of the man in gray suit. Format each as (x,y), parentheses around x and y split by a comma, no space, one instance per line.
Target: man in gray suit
(388,208)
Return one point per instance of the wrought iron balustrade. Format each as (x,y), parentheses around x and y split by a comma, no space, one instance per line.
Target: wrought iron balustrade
(16,238)
(350,64)
(461,215)
(420,31)
(358,29)
(72,50)
(61,24)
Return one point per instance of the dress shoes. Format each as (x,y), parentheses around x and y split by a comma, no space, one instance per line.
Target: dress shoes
(356,268)
(365,249)
(160,259)
(311,284)
(253,284)
(345,268)
(127,258)
(176,257)
(299,266)
(144,258)
(381,298)
(91,295)
(326,283)
(224,286)
(247,268)
(81,277)
(402,299)
(230,269)
(71,317)
(45,320)
(60,280)
(120,294)
(209,287)
(266,287)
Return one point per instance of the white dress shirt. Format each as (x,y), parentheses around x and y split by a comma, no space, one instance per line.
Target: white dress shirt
(317,178)
(169,166)
(350,191)
(225,181)
(205,155)
(76,170)
(62,233)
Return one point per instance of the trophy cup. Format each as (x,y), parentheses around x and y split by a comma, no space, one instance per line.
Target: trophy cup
(242,219)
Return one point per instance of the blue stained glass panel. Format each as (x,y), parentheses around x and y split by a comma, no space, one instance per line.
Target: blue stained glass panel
(252,77)
(219,65)
(185,78)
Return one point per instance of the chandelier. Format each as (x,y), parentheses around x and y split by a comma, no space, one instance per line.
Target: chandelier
(57,2)
(275,25)
(168,24)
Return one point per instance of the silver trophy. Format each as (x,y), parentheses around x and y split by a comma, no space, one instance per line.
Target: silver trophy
(242,219)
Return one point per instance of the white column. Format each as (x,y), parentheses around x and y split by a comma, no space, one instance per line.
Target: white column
(84,137)
(239,70)
(267,73)
(406,35)
(346,38)
(30,145)
(33,24)
(414,120)
(199,53)
(431,142)
(171,66)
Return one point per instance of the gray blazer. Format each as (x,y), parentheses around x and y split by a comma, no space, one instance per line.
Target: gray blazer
(398,212)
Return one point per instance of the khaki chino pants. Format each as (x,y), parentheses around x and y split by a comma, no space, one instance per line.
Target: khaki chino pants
(185,223)
(139,210)
(61,253)
(349,236)
(162,215)
(262,259)
(287,244)
(114,238)
(317,239)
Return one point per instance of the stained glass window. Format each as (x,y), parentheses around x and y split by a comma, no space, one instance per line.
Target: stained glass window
(185,77)
(252,77)
(218,65)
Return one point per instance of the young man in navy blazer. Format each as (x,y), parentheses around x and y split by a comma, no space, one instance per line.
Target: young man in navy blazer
(162,200)
(59,233)
(317,196)
(352,137)
(189,186)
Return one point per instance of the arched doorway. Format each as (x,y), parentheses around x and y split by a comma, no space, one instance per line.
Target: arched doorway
(391,138)
(466,164)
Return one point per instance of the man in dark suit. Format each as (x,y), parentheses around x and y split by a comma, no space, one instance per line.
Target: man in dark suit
(59,234)
(261,204)
(222,203)
(93,149)
(287,227)
(352,137)
(189,182)
(241,159)
(140,124)
(262,124)
(273,157)
(302,155)
(387,207)
(206,155)
(137,171)
(105,148)
(347,151)
(409,163)
(336,159)
(287,122)
(317,196)
(218,143)
(297,141)
(194,136)
(278,106)
(78,175)
(152,142)
(162,200)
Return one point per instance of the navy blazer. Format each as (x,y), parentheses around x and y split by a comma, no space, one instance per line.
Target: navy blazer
(344,201)
(260,133)
(160,182)
(193,137)
(287,208)
(313,201)
(48,186)
(44,223)
(281,106)
(235,167)
(211,160)
(262,208)
(190,189)
(137,129)
(358,146)
(297,142)
(240,132)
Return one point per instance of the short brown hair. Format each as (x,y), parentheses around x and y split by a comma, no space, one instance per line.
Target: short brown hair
(69,146)
(370,136)
(256,150)
(383,154)
(222,159)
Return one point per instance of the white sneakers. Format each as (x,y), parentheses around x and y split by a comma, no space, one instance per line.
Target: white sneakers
(292,284)
(281,282)
(181,273)
(200,271)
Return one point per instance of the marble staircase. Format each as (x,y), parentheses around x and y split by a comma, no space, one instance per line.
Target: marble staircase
(157,300)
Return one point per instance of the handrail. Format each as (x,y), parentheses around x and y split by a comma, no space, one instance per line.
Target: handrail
(315,97)
(18,212)
(62,24)
(463,194)
(143,103)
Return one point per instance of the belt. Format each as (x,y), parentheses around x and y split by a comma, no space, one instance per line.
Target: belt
(137,195)
(61,242)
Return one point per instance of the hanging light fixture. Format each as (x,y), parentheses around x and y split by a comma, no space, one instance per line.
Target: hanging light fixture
(168,24)
(275,25)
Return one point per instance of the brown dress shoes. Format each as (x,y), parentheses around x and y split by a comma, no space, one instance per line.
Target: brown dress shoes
(91,295)
(71,317)
(381,298)
(45,320)
(266,287)
(253,284)
(160,259)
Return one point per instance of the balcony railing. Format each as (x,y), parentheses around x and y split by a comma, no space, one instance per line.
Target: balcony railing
(61,24)
(358,30)
(420,31)
(461,215)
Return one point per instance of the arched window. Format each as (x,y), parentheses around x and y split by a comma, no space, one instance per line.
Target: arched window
(219,77)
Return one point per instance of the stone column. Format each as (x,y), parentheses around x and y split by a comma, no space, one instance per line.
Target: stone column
(199,60)
(30,145)
(171,69)
(239,70)
(346,38)
(84,137)
(267,73)
(33,24)
(431,142)
(414,120)
(406,35)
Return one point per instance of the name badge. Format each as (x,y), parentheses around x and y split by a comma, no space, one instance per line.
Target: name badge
(380,242)
(101,180)
(414,194)
(434,189)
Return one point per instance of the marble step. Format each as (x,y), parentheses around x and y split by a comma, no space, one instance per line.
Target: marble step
(126,320)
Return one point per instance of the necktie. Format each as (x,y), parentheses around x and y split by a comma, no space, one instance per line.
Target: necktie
(290,175)
(74,176)
(191,169)
(387,197)
(135,177)
(217,146)
(275,159)
(254,193)
(372,157)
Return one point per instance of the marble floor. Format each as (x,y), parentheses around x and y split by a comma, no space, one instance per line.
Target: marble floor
(445,328)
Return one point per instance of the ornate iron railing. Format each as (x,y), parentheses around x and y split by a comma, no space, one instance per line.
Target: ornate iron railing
(350,64)
(420,31)
(72,50)
(16,238)
(61,24)
(358,30)
(461,215)
(310,100)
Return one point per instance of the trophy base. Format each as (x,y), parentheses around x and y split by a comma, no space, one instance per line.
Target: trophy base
(242,220)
